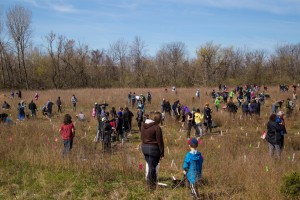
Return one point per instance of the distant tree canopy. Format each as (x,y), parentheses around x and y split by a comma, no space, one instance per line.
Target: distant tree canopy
(66,63)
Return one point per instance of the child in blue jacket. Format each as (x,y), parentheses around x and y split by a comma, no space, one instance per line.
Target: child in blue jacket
(192,166)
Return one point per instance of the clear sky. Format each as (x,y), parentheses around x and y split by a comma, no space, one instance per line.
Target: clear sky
(255,24)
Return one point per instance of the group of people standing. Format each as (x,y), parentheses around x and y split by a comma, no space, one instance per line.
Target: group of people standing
(47,108)
(152,140)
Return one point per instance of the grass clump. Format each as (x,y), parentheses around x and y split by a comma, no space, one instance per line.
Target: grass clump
(290,187)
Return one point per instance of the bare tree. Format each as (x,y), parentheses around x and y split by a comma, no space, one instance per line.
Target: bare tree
(289,61)
(137,52)
(55,53)
(207,61)
(18,24)
(97,59)
(119,54)
(255,66)
(176,52)
(81,63)
(162,67)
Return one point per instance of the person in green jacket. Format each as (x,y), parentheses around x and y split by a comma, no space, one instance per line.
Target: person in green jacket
(217,103)
(231,94)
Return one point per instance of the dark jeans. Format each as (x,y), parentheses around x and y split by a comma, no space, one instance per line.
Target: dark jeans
(67,146)
(139,125)
(59,108)
(33,113)
(208,125)
(190,125)
(152,157)
(74,106)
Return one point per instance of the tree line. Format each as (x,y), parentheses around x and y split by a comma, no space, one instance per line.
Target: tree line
(65,63)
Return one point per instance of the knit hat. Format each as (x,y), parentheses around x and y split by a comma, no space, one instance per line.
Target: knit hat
(193,141)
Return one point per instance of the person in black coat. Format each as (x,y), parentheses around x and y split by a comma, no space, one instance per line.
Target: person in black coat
(58,103)
(32,107)
(207,118)
(274,137)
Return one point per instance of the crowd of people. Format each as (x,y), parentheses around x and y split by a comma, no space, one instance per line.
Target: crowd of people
(117,124)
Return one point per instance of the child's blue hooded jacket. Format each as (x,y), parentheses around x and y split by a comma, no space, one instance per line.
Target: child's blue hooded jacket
(193,166)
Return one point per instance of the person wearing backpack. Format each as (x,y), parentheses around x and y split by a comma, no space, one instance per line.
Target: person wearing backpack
(207,118)
(289,107)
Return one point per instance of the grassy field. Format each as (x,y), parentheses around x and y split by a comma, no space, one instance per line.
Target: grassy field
(236,162)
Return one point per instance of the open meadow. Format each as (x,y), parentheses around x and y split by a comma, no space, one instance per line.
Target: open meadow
(236,161)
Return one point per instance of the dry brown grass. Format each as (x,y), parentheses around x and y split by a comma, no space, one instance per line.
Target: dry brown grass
(234,168)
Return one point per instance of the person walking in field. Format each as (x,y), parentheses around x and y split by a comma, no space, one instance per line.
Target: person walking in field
(49,106)
(231,94)
(58,103)
(149,97)
(133,100)
(274,137)
(207,118)
(192,167)
(190,123)
(127,119)
(21,110)
(67,131)
(198,93)
(140,118)
(36,96)
(198,116)
(74,102)
(217,103)
(32,107)
(280,120)
(129,98)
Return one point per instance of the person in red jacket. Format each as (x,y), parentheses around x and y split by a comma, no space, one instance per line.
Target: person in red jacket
(67,131)
(152,146)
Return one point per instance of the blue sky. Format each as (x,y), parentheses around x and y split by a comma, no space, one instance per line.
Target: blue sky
(254,24)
